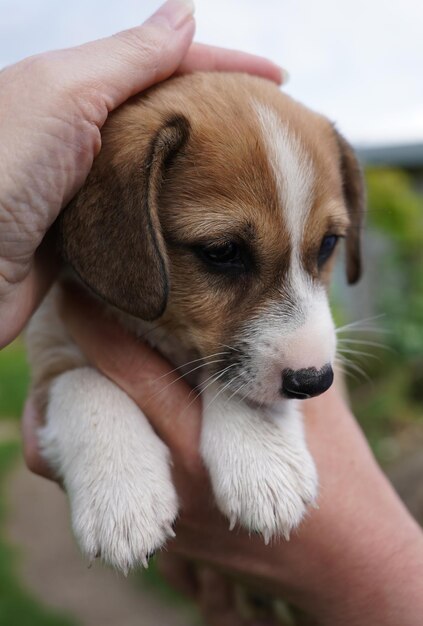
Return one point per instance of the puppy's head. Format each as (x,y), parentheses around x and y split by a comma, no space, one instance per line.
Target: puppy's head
(215,208)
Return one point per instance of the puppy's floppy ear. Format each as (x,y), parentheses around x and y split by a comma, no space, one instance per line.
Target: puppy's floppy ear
(110,232)
(355,199)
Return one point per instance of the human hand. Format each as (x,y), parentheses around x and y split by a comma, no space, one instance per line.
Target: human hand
(360,555)
(52,108)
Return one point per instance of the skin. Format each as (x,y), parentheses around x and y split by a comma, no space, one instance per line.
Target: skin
(360,554)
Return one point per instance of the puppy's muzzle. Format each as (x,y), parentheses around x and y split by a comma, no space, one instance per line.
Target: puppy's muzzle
(306,383)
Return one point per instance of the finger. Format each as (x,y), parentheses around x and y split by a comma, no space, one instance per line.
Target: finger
(31,422)
(179,573)
(20,303)
(142,372)
(132,60)
(217,599)
(23,298)
(201,57)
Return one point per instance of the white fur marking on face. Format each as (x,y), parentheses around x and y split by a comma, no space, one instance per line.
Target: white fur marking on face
(287,338)
(311,343)
(293,170)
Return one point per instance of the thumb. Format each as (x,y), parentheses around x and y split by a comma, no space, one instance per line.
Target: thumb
(126,63)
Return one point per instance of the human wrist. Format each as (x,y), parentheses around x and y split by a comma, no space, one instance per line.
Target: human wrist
(365,568)
(381,583)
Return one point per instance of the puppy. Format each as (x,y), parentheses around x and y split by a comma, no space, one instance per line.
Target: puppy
(208,225)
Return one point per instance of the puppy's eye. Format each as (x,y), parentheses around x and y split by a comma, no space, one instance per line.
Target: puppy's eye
(326,248)
(226,256)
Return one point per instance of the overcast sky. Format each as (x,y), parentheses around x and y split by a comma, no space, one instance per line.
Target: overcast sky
(360,62)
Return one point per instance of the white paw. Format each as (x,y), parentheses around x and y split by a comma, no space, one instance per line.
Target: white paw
(124,520)
(262,473)
(115,469)
(267,492)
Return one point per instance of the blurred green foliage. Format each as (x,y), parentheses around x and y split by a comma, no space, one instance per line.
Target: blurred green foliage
(396,210)
(14,380)
(393,398)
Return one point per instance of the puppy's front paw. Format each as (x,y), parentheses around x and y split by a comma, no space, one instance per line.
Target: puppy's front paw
(262,473)
(115,469)
(266,492)
(124,522)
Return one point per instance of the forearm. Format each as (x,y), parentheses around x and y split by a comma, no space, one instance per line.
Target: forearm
(372,573)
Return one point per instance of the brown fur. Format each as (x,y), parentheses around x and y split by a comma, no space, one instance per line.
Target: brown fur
(185,163)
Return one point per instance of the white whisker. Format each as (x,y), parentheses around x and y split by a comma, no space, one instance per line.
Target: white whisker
(224,345)
(183,376)
(358,323)
(213,378)
(237,390)
(351,365)
(221,390)
(358,353)
(202,358)
(338,367)
(216,377)
(365,342)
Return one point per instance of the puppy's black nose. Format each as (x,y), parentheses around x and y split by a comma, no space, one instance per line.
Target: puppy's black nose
(306,383)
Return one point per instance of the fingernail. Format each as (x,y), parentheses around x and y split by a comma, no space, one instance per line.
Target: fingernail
(176,13)
(284,76)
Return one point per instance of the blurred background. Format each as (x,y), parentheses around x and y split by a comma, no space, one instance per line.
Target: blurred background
(358,63)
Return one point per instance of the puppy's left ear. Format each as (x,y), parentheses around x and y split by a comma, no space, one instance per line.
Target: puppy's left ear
(110,233)
(355,199)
